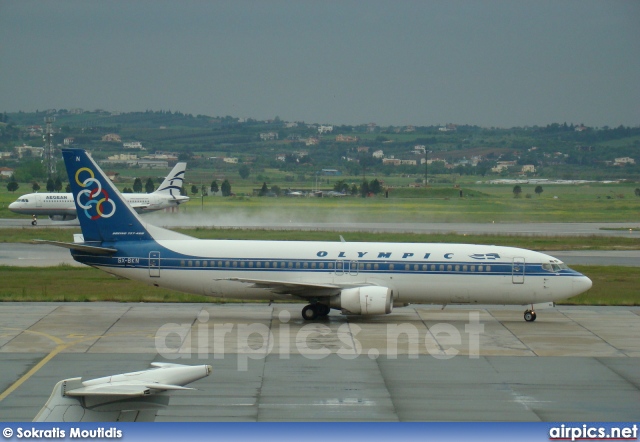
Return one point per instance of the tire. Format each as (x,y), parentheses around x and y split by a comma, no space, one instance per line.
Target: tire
(310,312)
(529,316)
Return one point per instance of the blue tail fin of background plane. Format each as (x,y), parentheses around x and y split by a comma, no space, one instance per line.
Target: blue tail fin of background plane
(103,213)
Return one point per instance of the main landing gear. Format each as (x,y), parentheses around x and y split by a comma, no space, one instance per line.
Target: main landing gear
(530,316)
(315,311)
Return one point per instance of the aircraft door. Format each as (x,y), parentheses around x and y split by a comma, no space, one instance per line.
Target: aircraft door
(517,275)
(38,200)
(154,264)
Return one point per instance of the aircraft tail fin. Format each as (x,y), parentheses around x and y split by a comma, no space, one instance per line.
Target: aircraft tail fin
(172,184)
(104,215)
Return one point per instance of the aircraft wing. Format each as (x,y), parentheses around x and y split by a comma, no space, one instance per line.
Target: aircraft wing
(300,289)
(122,389)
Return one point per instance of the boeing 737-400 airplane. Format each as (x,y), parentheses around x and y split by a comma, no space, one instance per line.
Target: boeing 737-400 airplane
(356,278)
(60,206)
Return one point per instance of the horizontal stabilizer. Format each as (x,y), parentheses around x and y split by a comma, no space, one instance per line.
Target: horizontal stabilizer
(79,247)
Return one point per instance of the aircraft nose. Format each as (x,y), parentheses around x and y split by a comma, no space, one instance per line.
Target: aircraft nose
(13,205)
(581,284)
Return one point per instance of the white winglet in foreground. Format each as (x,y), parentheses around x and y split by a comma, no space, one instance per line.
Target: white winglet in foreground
(131,397)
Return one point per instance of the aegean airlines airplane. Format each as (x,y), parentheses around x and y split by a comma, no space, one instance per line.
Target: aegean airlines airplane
(60,206)
(356,278)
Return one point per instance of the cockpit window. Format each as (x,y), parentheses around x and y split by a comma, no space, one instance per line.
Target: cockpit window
(555,266)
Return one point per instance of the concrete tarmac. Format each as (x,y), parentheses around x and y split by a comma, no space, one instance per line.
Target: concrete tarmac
(482,363)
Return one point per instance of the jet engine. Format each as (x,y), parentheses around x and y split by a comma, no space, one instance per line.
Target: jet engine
(62,217)
(370,300)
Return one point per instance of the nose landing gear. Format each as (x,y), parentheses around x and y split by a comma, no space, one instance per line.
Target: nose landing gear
(530,315)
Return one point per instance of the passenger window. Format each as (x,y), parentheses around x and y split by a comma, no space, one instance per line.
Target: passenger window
(488,268)
(473,268)
(457,268)
(181,263)
(449,268)
(241,263)
(235,263)
(441,267)
(480,268)
(197,263)
(330,265)
(321,265)
(391,266)
(407,267)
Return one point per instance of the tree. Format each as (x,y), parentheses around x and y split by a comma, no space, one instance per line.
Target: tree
(244,171)
(538,190)
(68,188)
(341,186)
(364,189)
(149,186)
(517,190)
(194,189)
(264,190)
(50,185)
(35,186)
(12,186)
(226,188)
(57,184)
(637,191)
(375,187)
(276,189)
(214,186)
(137,185)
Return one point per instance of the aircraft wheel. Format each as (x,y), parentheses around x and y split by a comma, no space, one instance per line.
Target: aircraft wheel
(34,223)
(310,312)
(530,316)
(323,310)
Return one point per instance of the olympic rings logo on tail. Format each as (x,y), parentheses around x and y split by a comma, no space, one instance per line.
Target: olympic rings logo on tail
(93,204)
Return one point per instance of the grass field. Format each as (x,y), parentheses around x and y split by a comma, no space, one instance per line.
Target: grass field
(611,286)
(482,203)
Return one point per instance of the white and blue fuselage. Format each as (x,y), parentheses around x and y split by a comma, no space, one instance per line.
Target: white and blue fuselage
(356,278)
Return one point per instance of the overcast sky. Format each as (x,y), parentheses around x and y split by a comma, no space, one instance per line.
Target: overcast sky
(400,62)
